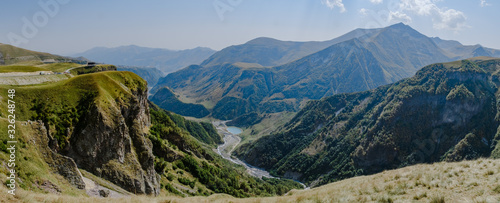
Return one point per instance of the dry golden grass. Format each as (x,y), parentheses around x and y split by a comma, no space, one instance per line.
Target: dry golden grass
(467,181)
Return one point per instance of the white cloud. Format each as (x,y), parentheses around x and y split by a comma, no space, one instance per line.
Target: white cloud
(363,11)
(396,17)
(442,18)
(484,3)
(334,3)
(376,1)
(450,19)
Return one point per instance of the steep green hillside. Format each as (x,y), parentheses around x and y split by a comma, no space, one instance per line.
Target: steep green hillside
(36,166)
(83,118)
(203,131)
(181,160)
(445,112)
(379,57)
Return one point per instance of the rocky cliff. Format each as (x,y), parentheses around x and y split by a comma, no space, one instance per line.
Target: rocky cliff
(110,141)
(63,165)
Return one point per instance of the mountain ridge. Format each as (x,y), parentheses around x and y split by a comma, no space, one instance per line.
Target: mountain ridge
(448,106)
(276,52)
(165,60)
(361,60)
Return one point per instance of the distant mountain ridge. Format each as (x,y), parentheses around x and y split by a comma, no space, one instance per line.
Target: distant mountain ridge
(163,59)
(458,50)
(272,52)
(360,60)
(151,75)
(10,54)
(446,112)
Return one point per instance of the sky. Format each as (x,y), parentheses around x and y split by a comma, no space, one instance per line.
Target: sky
(67,27)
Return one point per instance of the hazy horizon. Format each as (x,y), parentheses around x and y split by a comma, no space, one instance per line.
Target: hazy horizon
(69,27)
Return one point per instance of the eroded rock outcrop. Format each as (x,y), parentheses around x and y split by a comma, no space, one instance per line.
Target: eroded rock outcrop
(110,141)
(65,166)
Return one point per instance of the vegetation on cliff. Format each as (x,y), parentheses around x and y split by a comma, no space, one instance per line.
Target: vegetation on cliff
(182,160)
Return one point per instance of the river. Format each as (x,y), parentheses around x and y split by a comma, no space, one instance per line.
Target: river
(231,140)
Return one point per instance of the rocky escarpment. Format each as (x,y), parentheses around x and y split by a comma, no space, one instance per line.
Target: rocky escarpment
(110,142)
(63,165)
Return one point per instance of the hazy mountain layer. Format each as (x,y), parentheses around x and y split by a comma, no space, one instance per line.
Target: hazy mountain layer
(459,51)
(163,59)
(272,52)
(151,75)
(379,57)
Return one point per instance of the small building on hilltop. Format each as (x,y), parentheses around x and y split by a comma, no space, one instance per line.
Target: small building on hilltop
(90,64)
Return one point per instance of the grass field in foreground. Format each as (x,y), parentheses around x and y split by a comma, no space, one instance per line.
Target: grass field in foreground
(466,181)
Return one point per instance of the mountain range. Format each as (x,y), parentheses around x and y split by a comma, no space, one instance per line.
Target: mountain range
(230,86)
(457,50)
(272,52)
(446,112)
(163,59)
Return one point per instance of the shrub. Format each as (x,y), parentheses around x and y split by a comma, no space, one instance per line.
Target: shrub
(437,199)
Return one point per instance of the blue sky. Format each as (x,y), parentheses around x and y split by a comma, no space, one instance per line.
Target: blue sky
(71,26)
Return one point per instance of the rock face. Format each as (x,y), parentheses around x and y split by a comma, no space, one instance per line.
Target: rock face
(65,166)
(111,143)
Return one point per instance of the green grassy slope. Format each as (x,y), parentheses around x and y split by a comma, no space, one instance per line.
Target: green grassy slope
(203,131)
(10,54)
(465,181)
(33,66)
(59,104)
(17,68)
